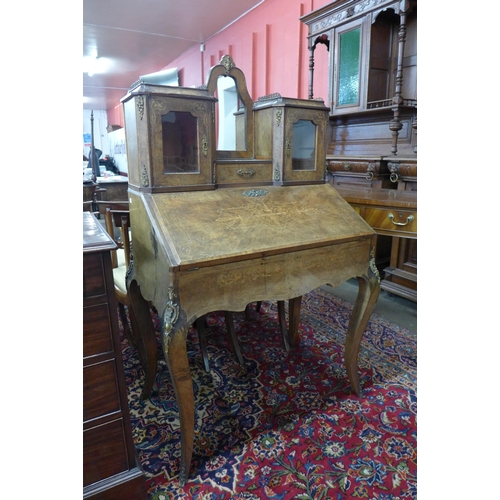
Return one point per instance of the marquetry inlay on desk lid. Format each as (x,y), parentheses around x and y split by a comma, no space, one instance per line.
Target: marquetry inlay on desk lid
(210,227)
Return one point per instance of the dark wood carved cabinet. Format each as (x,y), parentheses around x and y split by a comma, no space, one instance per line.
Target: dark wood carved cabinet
(372,133)
(110,469)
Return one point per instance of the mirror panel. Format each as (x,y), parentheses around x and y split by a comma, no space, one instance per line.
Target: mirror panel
(231,114)
(234,119)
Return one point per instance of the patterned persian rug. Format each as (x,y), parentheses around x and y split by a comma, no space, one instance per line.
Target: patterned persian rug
(287,425)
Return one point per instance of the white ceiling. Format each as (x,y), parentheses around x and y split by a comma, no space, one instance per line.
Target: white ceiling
(140,37)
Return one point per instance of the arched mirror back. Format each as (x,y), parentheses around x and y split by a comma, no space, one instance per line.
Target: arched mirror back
(234,113)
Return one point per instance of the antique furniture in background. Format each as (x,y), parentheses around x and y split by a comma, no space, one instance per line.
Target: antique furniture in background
(391,212)
(372,57)
(89,189)
(117,226)
(111,190)
(215,229)
(110,467)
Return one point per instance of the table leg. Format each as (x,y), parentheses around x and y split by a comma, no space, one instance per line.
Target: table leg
(145,338)
(293,319)
(369,288)
(282,323)
(174,334)
(200,327)
(229,318)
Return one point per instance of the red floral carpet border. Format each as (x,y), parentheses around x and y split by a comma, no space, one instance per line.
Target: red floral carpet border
(287,425)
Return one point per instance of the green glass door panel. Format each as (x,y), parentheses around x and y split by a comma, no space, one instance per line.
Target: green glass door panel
(348,84)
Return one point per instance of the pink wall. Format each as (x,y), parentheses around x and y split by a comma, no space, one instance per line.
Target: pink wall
(115,114)
(269,44)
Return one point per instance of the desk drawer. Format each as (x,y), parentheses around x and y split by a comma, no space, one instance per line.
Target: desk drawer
(244,172)
(401,221)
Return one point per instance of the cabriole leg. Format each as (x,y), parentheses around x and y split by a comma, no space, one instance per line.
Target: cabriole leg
(174,334)
(369,288)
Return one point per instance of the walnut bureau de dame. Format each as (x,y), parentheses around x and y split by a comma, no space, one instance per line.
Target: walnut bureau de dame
(269,228)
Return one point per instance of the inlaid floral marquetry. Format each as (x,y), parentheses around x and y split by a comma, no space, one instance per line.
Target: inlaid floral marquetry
(244,276)
(210,224)
(272,214)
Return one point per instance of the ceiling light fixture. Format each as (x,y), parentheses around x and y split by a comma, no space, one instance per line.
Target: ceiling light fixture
(93,65)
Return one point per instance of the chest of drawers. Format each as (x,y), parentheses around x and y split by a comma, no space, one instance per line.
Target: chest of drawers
(110,468)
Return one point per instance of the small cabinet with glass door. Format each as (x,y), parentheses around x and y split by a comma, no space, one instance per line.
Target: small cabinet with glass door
(295,129)
(169,137)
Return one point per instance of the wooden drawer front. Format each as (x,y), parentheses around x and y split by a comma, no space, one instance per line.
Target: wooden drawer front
(241,172)
(93,275)
(104,452)
(401,221)
(133,487)
(352,167)
(100,390)
(365,169)
(340,180)
(96,330)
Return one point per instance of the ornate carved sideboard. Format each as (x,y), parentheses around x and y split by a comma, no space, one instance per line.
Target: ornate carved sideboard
(372,96)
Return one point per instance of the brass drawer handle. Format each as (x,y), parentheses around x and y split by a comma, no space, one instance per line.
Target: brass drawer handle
(410,218)
(250,172)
